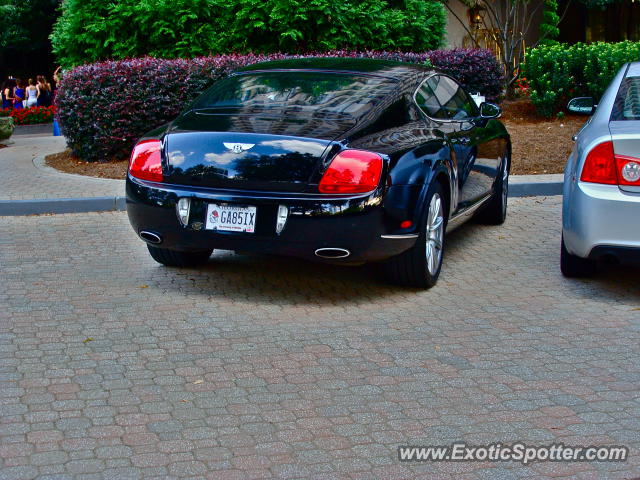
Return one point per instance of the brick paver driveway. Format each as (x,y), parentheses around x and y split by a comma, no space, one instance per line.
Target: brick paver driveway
(22,179)
(254,367)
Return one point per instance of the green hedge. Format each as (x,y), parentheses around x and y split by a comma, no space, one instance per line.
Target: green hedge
(557,73)
(93,30)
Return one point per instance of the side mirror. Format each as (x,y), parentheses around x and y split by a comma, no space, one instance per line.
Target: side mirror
(489,110)
(581,105)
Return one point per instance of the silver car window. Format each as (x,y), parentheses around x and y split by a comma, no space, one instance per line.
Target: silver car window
(627,103)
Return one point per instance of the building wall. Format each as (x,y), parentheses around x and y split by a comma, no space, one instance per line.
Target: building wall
(456,32)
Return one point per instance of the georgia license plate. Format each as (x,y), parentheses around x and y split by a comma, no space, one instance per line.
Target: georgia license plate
(230,218)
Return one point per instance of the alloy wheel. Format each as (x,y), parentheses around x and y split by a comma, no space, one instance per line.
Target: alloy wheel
(434,234)
(505,184)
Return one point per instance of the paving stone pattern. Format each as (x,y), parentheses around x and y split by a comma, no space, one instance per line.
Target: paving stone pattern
(21,180)
(114,367)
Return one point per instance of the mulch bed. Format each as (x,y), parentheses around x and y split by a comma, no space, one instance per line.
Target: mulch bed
(69,163)
(539,145)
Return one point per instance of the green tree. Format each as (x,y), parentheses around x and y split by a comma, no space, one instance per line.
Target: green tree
(91,30)
(25,26)
(9,27)
(308,25)
(549,30)
(26,23)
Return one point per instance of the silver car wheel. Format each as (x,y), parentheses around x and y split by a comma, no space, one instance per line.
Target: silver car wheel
(434,234)
(505,184)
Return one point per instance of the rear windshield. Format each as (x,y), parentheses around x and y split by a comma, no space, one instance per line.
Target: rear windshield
(627,103)
(330,92)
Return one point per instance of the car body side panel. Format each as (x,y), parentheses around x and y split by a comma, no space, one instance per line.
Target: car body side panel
(493,145)
(480,146)
(571,212)
(417,151)
(416,171)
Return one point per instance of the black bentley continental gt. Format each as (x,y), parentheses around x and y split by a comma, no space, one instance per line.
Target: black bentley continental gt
(337,160)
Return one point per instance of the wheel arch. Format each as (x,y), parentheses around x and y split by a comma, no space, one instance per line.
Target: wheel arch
(414,172)
(509,148)
(445,183)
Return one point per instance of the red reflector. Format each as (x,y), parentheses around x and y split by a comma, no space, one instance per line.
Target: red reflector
(406,224)
(146,161)
(352,171)
(600,165)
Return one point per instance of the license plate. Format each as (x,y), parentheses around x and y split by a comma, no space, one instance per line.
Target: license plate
(231,218)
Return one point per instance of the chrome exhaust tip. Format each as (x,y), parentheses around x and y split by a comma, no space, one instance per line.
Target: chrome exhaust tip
(150,237)
(332,253)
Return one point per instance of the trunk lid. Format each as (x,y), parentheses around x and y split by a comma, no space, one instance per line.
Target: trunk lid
(626,141)
(626,138)
(250,152)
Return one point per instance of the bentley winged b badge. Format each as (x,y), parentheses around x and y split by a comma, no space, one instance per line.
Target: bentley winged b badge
(238,147)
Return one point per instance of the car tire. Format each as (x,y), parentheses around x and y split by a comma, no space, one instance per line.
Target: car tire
(495,213)
(173,258)
(573,266)
(415,268)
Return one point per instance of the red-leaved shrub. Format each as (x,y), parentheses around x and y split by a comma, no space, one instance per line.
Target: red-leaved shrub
(476,70)
(105,107)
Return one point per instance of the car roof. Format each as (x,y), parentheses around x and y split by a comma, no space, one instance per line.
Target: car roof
(383,68)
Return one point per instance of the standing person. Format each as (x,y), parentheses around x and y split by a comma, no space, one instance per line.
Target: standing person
(8,93)
(44,92)
(32,94)
(56,78)
(18,95)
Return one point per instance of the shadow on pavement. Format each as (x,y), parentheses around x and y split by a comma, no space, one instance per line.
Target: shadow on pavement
(281,280)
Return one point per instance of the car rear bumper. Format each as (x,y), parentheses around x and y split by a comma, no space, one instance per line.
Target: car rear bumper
(623,255)
(363,225)
(600,221)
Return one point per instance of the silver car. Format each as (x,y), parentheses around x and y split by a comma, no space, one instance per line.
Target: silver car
(601,204)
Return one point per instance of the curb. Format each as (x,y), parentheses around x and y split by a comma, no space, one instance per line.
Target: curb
(115,204)
(43,206)
(537,189)
(40,129)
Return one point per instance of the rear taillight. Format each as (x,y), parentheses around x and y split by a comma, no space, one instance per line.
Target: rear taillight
(146,161)
(602,165)
(352,171)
